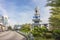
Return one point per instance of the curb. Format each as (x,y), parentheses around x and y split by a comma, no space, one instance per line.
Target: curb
(23,34)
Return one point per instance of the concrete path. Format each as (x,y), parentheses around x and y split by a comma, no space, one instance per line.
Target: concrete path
(11,35)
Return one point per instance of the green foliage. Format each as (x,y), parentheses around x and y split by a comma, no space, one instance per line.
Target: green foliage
(53,3)
(37,31)
(55,17)
(55,11)
(56,31)
(42,33)
(56,34)
(48,35)
(40,38)
(25,28)
(9,28)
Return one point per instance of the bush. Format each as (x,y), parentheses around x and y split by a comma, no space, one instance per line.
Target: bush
(56,31)
(48,35)
(56,34)
(37,31)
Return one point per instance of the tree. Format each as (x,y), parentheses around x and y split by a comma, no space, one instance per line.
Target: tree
(55,18)
(53,3)
(55,11)
(25,28)
(39,32)
(9,28)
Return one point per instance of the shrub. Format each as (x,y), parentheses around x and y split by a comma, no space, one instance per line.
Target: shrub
(56,34)
(48,35)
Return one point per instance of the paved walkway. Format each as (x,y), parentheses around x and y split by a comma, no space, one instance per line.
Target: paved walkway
(11,35)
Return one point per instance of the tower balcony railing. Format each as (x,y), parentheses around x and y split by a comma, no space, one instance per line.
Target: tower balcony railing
(36,23)
(36,19)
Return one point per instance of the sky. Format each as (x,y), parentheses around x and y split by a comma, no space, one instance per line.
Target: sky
(22,11)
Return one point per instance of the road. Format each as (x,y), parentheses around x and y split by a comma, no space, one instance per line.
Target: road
(11,35)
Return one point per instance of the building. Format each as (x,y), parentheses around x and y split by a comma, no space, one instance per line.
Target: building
(3,23)
(2,28)
(6,22)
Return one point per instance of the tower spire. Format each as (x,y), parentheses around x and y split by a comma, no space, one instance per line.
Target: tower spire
(37,10)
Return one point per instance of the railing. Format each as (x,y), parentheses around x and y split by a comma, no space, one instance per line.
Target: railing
(28,37)
(23,34)
(36,19)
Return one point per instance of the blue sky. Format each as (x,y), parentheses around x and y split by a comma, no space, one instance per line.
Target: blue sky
(22,11)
